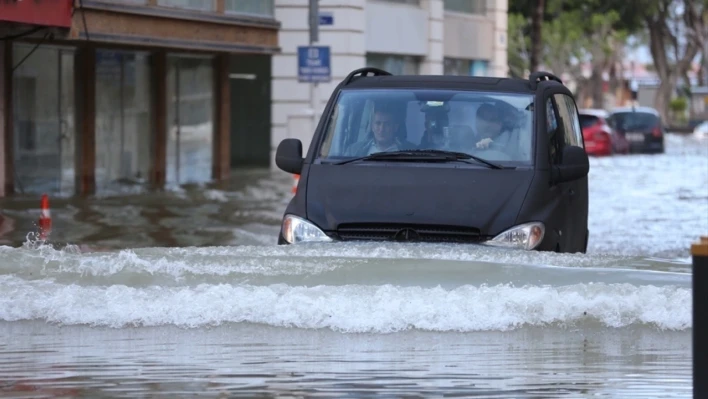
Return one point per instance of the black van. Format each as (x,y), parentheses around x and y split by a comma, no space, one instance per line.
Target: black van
(493,161)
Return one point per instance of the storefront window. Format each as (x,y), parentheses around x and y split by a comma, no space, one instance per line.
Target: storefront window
(395,64)
(456,66)
(258,7)
(466,6)
(462,67)
(190,113)
(410,2)
(123,117)
(202,5)
(44,119)
(479,68)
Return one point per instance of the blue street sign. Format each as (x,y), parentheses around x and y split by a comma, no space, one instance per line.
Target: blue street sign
(326,18)
(313,64)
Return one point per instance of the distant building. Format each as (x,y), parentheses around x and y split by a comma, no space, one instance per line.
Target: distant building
(149,91)
(455,37)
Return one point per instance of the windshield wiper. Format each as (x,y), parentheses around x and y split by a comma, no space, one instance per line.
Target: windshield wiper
(458,156)
(407,155)
(427,155)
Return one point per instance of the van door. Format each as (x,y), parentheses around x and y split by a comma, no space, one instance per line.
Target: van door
(574,194)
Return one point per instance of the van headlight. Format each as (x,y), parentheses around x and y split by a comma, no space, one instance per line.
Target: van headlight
(524,236)
(296,229)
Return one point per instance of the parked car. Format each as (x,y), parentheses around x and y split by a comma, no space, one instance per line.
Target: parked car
(600,137)
(701,130)
(410,158)
(641,126)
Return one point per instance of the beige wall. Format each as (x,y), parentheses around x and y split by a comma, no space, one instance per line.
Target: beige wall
(467,36)
(393,28)
(479,36)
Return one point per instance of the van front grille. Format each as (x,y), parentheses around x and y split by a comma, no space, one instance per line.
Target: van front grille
(408,232)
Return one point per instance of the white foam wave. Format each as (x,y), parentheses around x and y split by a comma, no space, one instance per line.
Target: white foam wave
(293,260)
(352,308)
(48,261)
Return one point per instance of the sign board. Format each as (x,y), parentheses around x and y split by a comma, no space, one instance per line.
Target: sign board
(326,18)
(313,64)
(54,13)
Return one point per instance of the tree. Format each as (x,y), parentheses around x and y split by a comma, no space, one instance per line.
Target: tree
(533,13)
(697,29)
(537,13)
(605,44)
(564,45)
(672,49)
(566,26)
(517,46)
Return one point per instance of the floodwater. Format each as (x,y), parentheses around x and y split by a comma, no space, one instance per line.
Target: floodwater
(185,293)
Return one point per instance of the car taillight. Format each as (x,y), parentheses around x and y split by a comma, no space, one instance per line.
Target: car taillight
(656,132)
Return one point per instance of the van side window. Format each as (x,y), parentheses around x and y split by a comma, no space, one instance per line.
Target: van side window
(554,140)
(568,113)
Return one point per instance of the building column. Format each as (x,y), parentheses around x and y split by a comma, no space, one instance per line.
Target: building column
(497,10)
(433,62)
(158,73)
(85,78)
(6,128)
(296,106)
(220,6)
(221,163)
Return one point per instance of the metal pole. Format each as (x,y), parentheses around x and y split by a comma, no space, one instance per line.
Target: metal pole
(121,102)
(699,253)
(59,119)
(314,21)
(177,121)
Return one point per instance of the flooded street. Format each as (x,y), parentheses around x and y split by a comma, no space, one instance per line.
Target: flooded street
(185,292)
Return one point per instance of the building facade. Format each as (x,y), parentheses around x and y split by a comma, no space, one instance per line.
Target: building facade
(157,92)
(454,37)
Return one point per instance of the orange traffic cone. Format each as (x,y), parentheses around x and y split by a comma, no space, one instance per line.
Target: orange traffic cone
(45,219)
(295,183)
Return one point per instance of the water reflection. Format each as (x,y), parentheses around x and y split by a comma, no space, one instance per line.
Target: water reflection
(244,210)
(256,361)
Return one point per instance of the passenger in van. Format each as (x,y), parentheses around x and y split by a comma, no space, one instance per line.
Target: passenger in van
(496,129)
(435,134)
(383,135)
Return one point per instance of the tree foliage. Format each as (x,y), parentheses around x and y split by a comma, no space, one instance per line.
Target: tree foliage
(596,31)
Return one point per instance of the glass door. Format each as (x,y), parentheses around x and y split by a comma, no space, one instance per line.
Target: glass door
(43,113)
(190,113)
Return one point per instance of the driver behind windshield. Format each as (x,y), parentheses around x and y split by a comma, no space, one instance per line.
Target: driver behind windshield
(383,136)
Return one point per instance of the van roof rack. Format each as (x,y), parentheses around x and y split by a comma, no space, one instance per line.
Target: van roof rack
(364,72)
(536,77)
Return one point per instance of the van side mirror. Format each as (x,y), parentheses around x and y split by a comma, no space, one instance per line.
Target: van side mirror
(575,165)
(288,156)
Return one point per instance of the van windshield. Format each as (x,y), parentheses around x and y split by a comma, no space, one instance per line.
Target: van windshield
(494,126)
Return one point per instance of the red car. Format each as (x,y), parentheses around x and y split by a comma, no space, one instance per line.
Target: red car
(600,138)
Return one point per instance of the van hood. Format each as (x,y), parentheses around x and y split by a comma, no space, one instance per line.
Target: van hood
(465,196)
